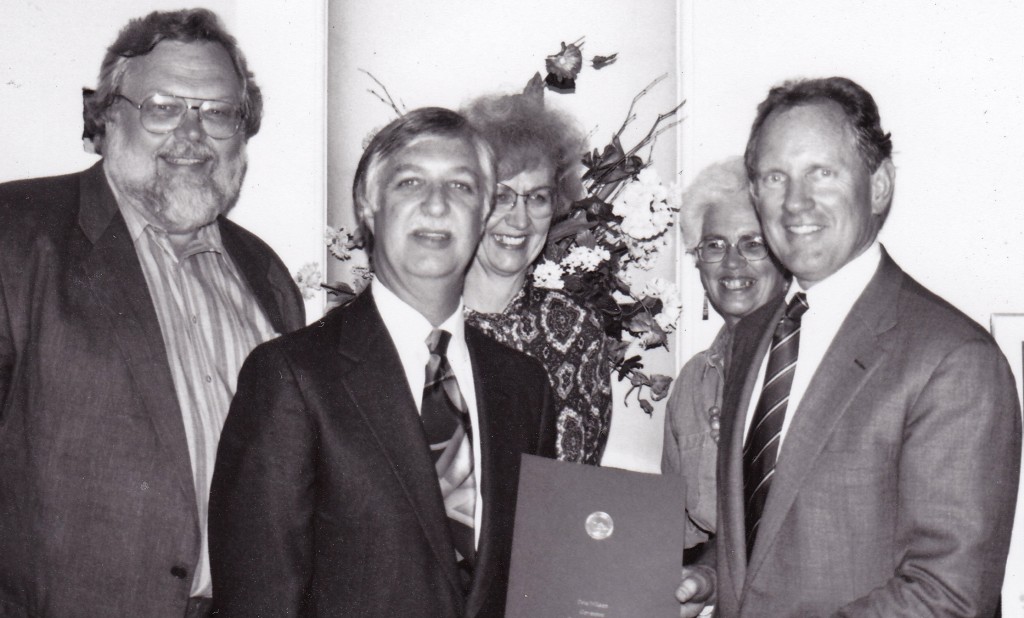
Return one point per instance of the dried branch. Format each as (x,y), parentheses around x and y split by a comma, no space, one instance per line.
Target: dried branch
(655,131)
(630,116)
(386,101)
(654,139)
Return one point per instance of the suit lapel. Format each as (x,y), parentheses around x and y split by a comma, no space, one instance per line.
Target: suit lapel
(110,272)
(255,269)
(751,341)
(372,373)
(858,348)
(491,397)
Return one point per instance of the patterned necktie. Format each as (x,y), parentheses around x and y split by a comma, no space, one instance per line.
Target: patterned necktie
(446,422)
(762,447)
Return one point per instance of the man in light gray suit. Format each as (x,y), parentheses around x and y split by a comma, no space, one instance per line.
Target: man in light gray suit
(870,436)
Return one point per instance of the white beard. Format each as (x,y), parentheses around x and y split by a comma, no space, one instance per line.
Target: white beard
(176,203)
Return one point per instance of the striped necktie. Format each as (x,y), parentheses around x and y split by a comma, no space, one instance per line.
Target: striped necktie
(447,426)
(762,448)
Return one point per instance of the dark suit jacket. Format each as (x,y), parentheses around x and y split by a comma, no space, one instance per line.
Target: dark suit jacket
(325,501)
(895,487)
(97,506)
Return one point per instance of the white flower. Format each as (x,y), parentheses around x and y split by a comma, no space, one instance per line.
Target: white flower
(548,275)
(644,206)
(308,279)
(361,277)
(641,254)
(671,301)
(649,178)
(339,242)
(585,259)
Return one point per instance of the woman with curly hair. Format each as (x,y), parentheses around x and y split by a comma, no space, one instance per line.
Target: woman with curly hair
(538,151)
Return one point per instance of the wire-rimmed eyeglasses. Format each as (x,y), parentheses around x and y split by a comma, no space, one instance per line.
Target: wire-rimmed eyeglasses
(539,202)
(162,113)
(713,250)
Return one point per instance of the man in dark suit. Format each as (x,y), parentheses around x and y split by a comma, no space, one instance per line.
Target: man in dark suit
(870,445)
(127,305)
(337,491)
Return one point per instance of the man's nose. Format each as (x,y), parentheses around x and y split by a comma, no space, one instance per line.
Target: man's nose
(797,196)
(191,126)
(435,202)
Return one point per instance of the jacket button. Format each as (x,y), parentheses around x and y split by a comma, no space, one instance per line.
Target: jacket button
(179,572)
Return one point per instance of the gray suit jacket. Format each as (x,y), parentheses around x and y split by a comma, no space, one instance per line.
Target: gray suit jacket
(325,501)
(895,487)
(97,507)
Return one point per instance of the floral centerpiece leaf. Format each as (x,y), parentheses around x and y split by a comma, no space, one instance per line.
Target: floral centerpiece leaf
(600,62)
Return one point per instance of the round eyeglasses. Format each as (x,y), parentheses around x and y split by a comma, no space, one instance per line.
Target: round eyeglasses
(162,113)
(539,202)
(713,250)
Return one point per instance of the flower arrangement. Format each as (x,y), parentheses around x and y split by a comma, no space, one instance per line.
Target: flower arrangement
(608,237)
(596,252)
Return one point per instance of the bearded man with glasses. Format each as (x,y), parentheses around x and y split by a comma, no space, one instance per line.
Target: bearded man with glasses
(127,305)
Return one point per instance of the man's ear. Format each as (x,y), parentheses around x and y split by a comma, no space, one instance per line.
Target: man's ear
(883,183)
(752,192)
(366,214)
(487,210)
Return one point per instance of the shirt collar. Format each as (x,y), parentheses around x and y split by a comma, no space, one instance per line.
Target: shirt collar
(205,239)
(718,352)
(409,328)
(837,293)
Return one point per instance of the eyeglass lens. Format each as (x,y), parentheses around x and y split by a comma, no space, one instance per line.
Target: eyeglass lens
(715,250)
(539,201)
(163,113)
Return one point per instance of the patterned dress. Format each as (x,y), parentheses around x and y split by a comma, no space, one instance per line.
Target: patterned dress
(569,341)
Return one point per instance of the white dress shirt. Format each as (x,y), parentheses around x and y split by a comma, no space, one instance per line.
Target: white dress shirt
(829,302)
(409,331)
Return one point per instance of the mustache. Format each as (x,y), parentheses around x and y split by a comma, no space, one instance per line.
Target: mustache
(187,151)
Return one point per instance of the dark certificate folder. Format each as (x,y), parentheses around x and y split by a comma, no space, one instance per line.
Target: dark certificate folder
(595,542)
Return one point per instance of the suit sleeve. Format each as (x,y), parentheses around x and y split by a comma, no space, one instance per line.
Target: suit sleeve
(7,355)
(262,495)
(958,474)
(548,430)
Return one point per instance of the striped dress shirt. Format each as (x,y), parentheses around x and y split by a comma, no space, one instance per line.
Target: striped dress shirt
(210,321)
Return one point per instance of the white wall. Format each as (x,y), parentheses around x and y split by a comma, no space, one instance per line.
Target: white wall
(49,51)
(948,80)
(446,53)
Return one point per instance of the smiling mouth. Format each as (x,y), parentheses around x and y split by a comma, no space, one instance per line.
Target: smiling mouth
(185,161)
(734,284)
(432,236)
(802,230)
(511,242)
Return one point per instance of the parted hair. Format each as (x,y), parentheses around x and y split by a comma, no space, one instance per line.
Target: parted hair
(873,144)
(141,35)
(403,131)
